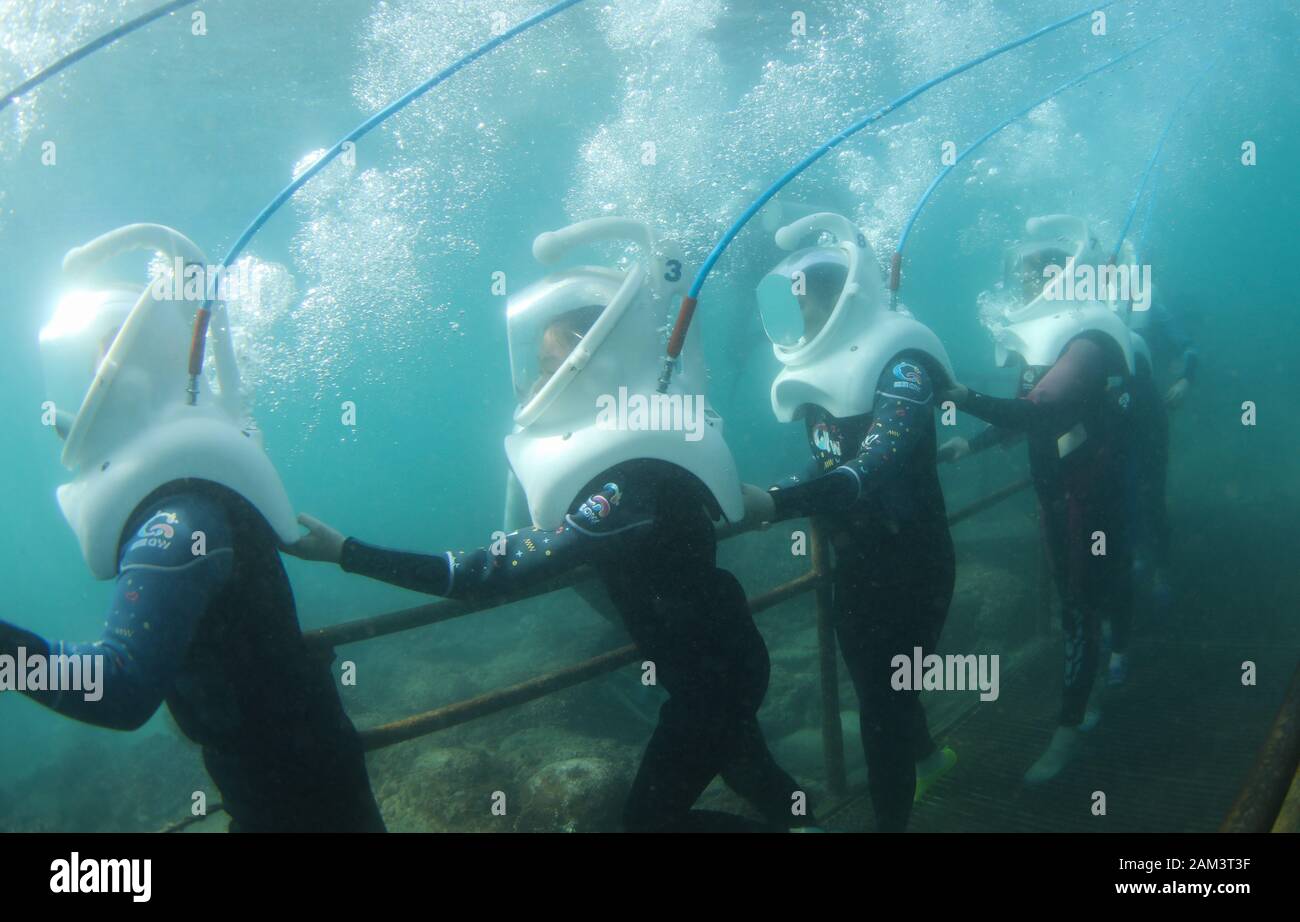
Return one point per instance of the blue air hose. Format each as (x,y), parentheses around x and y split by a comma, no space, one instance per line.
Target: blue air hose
(687,311)
(895,271)
(88,49)
(204,314)
(1146,215)
(1155,157)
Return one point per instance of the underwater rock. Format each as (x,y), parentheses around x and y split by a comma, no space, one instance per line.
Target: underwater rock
(988,607)
(438,789)
(575,795)
(800,752)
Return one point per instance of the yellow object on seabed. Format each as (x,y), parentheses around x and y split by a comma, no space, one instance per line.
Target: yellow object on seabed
(925,782)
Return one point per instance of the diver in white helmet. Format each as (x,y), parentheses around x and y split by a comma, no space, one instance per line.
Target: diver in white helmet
(634,495)
(1076,360)
(178,504)
(862,379)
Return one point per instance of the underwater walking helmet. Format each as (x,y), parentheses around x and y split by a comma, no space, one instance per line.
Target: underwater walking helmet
(1035,322)
(826,311)
(578,338)
(115,362)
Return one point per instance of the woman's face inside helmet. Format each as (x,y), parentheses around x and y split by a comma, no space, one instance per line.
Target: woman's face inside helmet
(1030,271)
(559,339)
(797,298)
(823,284)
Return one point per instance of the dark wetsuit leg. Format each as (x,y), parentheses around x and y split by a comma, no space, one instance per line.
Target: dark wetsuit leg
(1091,586)
(1108,578)
(877,619)
(715,670)
(1067,547)
(750,770)
(1150,463)
(275,793)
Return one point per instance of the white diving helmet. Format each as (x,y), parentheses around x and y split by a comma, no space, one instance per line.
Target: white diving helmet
(586,344)
(826,311)
(115,361)
(1038,319)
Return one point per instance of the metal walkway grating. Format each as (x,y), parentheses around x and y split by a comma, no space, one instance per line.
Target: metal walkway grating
(1170,754)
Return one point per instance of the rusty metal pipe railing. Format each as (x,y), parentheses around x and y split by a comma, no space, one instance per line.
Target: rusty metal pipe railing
(816,579)
(461,712)
(1288,815)
(399,731)
(989,501)
(406,619)
(1265,789)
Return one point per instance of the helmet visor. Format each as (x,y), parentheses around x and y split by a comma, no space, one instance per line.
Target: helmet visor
(74,343)
(797,298)
(548,321)
(1027,269)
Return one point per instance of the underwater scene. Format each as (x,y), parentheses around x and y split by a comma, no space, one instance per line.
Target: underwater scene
(649,416)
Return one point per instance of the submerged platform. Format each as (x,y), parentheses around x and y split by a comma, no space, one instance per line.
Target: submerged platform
(1170,754)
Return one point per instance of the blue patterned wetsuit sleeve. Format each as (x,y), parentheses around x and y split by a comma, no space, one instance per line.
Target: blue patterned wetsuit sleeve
(902,415)
(163,588)
(510,563)
(812,471)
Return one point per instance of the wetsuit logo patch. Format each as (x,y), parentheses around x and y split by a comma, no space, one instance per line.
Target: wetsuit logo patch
(825,440)
(599,505)
(908,375)
(157,532)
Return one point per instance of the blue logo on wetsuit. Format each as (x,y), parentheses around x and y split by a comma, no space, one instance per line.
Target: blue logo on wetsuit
(908,375)
(157,532)
(599,505)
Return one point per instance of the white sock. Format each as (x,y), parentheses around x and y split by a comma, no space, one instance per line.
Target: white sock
(1064,745)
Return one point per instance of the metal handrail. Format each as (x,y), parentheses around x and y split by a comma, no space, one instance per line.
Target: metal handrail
(1256,809)
(1262,794)
(816,579)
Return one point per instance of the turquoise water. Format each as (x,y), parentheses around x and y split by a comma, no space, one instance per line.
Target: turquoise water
(377,276)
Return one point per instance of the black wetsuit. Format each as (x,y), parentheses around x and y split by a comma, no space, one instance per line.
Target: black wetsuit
(643,527)
(216,636)
(879,493)
(1075,414)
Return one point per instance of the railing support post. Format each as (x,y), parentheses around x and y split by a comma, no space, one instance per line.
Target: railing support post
(832,732)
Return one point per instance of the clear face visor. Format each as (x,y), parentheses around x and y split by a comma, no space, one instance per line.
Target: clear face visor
(73,345)
(1024,270)
(797,298)
(541,341)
